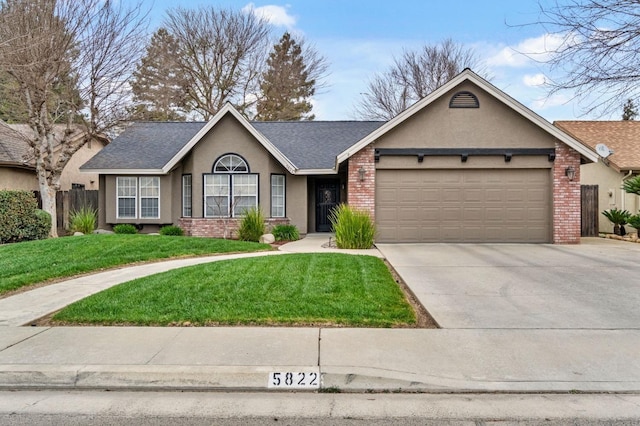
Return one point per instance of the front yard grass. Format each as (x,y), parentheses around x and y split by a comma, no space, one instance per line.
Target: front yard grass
(294,289)
(32,262)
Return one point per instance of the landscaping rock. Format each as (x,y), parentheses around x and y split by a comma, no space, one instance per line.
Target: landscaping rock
(77,234)
(102,231)
(268,239)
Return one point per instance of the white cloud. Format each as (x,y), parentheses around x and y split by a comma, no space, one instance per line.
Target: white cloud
(275,15)
(550,102)
(535,80)
(527,51)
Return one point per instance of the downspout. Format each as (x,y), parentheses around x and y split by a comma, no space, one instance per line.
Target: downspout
(623,196)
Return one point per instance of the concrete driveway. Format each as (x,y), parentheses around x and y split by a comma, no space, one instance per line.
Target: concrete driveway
(594,285)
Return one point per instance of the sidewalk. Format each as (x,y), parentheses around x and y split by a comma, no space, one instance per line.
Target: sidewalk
(259,358)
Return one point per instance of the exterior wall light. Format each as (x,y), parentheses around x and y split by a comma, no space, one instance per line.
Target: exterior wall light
(570,172)
(361,173)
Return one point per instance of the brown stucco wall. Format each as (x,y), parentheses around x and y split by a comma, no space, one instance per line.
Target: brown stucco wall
(610,192)
(493,125)
(18,179)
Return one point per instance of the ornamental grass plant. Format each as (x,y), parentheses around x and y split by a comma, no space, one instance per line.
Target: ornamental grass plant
(354,228)
(83,220)
(252,225)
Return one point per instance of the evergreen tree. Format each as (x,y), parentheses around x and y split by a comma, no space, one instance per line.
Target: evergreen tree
(629,111)
(157,85)
(286,84)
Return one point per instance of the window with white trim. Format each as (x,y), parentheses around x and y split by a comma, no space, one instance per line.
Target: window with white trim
(186,196)
(149,197)
(277,195)
(138,197)
(231,190)
(127,194)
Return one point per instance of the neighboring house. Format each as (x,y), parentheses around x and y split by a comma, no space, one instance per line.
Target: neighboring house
(17,163)
(621,137)
(465,164)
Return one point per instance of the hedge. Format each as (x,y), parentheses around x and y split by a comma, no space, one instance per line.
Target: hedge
(20,218)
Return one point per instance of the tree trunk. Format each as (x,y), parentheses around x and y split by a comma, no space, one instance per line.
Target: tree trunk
(48,197)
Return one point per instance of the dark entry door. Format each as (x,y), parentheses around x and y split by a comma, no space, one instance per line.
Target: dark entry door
(327,198)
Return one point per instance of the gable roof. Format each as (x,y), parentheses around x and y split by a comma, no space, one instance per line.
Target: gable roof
(302,147)
(623,137)
(14,146)
(468,75)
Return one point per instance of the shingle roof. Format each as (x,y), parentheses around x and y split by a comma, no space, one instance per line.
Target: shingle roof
(307,144)
(145,145)
(314,144)
(623,137)
(13,149)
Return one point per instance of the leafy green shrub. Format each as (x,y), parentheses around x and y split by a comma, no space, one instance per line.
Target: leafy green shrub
(634,221)
(252,225)
(20,219)
(285,233)
(171,230)
(125,228)
(354,228)
(618,218)
(83,220)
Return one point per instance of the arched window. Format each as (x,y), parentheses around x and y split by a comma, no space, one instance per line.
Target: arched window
(230,163)
(230,190)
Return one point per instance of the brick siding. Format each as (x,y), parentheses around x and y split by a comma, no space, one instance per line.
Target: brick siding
(215,227)
(361,195)
(566,196)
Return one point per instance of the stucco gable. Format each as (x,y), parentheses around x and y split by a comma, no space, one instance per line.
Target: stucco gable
(458,83)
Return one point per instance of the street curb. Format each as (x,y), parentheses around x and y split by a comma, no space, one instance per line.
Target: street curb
(256,378)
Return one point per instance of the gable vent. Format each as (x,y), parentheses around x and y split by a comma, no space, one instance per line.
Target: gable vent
(464,100)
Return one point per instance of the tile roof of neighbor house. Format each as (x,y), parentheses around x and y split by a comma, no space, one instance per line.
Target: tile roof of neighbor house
(307,144)
(623,137)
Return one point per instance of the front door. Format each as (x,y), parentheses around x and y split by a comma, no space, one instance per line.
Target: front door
(327,198)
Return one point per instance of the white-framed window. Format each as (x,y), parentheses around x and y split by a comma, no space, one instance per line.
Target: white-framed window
(230,190)
(138,197)
(277,196)
(149,197)
(127,197)
(186,196)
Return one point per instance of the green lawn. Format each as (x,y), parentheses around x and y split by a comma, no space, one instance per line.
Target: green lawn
(295,289)
(33,262)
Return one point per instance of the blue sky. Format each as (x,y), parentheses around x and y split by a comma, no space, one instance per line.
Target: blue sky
(360,38)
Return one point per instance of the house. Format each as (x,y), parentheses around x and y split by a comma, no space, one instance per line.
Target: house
(621,137)
(467,163)
(17,162)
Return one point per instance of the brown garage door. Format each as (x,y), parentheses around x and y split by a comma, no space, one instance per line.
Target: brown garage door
(502,205)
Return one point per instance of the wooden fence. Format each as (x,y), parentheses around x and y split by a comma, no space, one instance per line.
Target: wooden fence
(589,207)
(69,201)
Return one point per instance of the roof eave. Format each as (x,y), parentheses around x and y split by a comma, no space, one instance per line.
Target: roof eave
(123,171)
(316,172)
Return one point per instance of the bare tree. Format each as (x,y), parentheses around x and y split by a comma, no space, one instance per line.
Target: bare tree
(65,55)
(412,77)
(221,55)
(599,52)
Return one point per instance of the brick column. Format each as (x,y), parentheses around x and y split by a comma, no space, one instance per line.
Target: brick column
(566,196)
(361,194)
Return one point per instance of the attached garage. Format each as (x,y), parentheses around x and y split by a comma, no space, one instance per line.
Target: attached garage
(468,163)
(475,205)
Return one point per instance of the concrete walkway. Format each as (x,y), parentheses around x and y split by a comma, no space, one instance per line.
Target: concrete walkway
(259,358)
